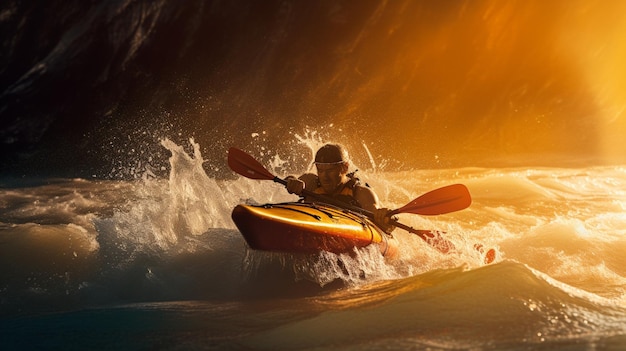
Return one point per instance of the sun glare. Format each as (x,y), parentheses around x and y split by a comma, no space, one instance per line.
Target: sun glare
(594,33)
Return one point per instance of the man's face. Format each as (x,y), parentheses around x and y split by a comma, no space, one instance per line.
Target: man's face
(331,175)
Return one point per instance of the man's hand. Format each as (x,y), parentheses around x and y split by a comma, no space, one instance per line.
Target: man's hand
(383,220)
(294,185)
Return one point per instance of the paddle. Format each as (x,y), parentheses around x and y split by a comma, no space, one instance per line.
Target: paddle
(439,201)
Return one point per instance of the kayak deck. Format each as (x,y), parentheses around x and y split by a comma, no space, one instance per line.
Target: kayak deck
(307,228)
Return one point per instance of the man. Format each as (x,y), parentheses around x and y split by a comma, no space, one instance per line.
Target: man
(333,180)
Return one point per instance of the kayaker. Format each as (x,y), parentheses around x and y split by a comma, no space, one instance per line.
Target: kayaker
(332,179)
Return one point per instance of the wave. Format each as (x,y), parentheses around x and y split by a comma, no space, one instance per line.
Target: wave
(455,308)
(499,306)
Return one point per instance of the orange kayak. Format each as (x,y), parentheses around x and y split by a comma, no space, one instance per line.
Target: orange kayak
(308,228)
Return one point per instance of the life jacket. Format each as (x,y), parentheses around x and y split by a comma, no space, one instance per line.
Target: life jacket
(347,192)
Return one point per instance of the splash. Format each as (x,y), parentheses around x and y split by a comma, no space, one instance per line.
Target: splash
(359,267)
(198,199)
(163,214)
(168,216)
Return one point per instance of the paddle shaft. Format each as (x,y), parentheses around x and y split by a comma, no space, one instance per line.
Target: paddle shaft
(329,200)
(447,199)
(432,238)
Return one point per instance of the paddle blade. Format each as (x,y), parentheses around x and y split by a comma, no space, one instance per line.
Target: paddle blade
(247,166)
(448,199)
(434,239)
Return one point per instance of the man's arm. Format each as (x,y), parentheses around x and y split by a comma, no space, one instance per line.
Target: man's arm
(306,181)
(366,197)
(369,201)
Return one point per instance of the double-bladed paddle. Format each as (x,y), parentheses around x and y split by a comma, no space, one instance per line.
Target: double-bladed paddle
(439,201)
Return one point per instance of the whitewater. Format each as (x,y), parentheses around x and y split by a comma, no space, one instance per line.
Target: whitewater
(156,263)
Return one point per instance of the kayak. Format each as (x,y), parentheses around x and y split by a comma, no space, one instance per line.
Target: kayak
(298,227)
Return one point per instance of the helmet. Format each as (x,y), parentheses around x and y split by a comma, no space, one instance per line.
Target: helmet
(331,154)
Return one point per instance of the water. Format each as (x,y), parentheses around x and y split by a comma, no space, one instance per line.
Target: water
(156,263)
(115,229)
